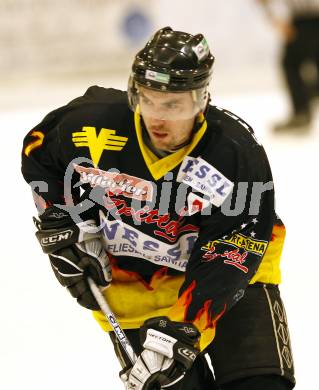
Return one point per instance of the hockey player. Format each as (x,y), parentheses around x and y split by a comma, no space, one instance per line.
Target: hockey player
(299,31)
(167,202)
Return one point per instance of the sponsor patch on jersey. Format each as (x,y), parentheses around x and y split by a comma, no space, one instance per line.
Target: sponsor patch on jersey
(165,226)
(232,257)
(121,239)
(241,241)
(187,163)
(116,183)
(196,203)
(204,178)
(234,250)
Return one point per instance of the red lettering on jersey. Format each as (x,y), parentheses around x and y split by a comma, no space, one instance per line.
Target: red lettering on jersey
(170,230)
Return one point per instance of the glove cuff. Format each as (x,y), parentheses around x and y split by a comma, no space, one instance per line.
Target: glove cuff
(57,230)
(174,340)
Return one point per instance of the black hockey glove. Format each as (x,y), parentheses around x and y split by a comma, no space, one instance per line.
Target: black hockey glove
(169,351)
(75,253)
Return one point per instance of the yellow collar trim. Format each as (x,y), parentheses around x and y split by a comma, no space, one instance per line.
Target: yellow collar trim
(159,167)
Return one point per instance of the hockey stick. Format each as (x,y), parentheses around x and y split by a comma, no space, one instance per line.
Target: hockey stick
(118,331)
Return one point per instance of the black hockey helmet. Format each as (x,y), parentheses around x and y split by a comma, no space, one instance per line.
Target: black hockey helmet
(172,61)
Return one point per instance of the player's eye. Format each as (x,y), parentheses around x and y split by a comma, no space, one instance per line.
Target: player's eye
(146,101)
(172,106)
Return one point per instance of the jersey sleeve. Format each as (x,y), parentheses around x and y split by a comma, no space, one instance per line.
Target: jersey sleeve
(42,166)
(46,154)
(231,244)
(47,158)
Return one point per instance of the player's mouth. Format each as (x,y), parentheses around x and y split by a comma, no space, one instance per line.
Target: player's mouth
(159,135)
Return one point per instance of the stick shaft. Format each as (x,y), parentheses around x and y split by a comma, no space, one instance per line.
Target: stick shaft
(118,331)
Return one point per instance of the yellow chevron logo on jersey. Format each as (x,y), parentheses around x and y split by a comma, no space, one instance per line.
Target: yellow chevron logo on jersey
(106,140)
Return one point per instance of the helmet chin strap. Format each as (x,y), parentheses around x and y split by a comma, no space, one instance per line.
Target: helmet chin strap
(147,140)
(196,127)
(197,123)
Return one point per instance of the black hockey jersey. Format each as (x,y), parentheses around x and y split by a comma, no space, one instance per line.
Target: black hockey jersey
(185,233)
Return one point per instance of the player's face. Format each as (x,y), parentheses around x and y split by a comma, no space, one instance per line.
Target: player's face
(168,117)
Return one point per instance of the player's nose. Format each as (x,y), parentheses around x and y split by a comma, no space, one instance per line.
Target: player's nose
(157,122)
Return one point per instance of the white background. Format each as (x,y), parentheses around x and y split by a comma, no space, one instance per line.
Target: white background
(49,342)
